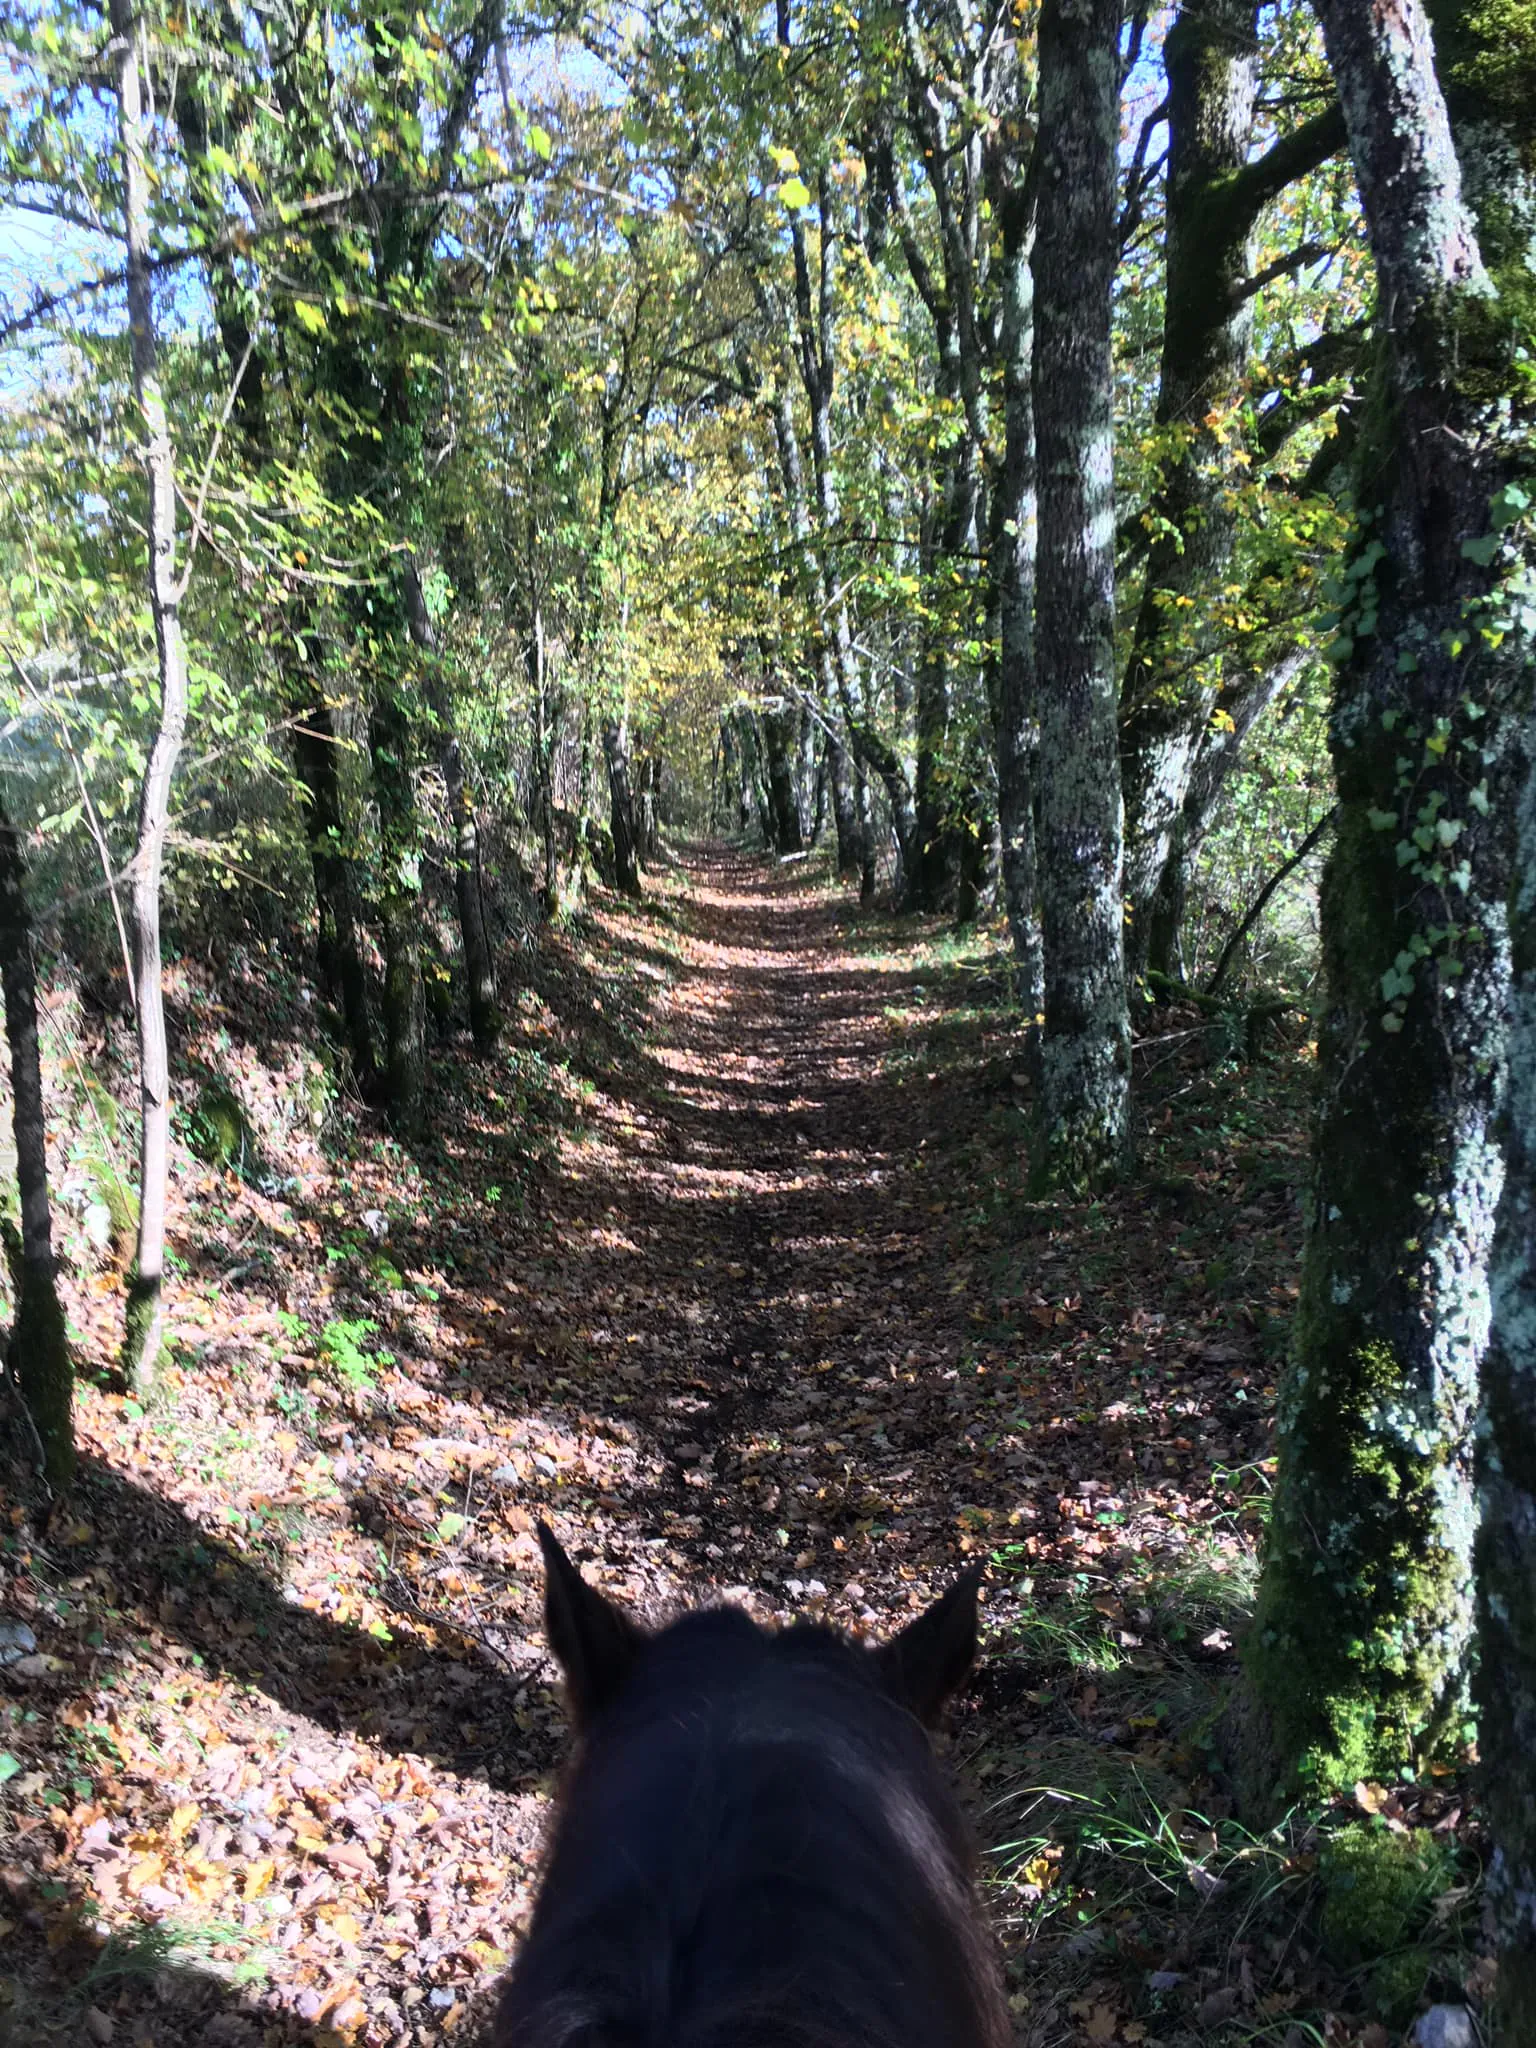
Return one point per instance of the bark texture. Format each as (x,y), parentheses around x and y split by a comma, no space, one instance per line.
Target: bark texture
(1506,1463)
(1360,1648)
(145,1308)
(1014,539)
(39,1346)
(1085,1048)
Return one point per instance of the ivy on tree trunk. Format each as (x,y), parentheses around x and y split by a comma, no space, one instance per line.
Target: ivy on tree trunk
(1360,1648)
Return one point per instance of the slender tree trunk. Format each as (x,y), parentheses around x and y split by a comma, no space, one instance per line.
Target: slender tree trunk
(1013,571)
(1085,1049)
(864,810)
(621,803)
(755,799)
(145,1306)
(392,752)
(343,970)
(39,1345)
(1216,193)
(845,818)
(836,658)
(469,882)
(1211,56)
(807,779)
(1358,1656)
(1506,1470)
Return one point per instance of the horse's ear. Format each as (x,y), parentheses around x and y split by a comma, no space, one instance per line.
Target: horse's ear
(594,1641)
(930,1658)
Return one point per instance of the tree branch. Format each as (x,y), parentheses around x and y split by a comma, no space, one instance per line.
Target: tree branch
(1297,259)
(1303,150)
(1256,909)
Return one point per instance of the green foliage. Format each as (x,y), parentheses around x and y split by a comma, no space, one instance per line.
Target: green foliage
(342,1350)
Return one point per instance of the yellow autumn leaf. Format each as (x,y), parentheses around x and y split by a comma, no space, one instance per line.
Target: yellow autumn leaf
(258,1876)
(184,1818)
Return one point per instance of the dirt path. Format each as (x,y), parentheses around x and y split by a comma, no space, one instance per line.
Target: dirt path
(725,1268)
(761,1255)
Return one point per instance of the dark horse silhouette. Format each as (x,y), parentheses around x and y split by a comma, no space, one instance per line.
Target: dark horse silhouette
(755,1847)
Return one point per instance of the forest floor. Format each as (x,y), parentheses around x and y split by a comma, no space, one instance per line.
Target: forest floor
(725,1265)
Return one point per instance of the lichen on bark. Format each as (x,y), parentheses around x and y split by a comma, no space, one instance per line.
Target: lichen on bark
(1361,1645)
(1506,1465)
(1085,1047)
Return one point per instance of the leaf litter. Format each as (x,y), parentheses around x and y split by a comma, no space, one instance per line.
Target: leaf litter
(724,1265)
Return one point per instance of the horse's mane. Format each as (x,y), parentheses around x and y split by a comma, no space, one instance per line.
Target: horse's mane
(755,1849)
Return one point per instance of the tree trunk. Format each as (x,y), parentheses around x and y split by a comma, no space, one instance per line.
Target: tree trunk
(1211,59)
(1506,1470)
(1013,573)
(648,809)
(807,776)
(392,751)
(39,1345)
(1215,196)
(343,970)
(469,882)
(845,818)
(1359,1650)
(621,802)
(812,346)
(145,1316)
(778,747)
(1085,1048)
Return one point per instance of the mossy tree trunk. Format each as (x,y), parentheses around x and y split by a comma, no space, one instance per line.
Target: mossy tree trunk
(1085,1046)
(145,1315)
(1360,1647)
(39,1348)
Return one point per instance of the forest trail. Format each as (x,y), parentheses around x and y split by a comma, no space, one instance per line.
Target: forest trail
(770,1207)
(724,1266)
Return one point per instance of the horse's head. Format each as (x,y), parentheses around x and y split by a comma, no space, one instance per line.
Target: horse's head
(597,1644)
(755,1846)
